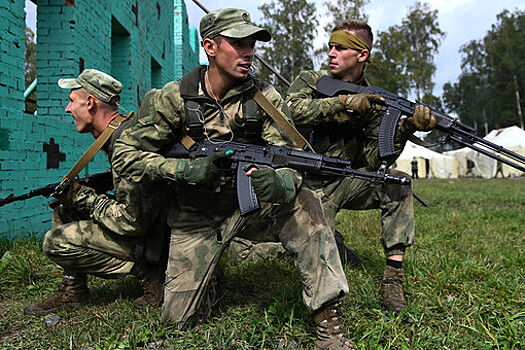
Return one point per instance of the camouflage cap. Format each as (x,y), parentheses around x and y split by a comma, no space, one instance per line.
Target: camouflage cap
(101,85)
(233,23)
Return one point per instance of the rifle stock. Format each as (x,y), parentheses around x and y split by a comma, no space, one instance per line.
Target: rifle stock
(395,107)
(275,157)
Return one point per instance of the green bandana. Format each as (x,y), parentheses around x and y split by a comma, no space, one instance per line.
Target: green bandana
(348,39)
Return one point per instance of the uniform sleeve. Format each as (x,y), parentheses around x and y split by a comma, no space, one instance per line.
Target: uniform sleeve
(136,210)
(305,107)
(273,134)
(135,156)
(130,214)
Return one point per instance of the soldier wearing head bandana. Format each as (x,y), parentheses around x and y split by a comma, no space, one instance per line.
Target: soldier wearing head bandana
(347,126)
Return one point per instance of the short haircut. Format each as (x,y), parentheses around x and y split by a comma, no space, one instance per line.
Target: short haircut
(361,29)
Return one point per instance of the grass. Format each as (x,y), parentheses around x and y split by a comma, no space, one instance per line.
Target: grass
(465,287)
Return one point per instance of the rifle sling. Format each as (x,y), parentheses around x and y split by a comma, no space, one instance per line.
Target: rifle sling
(283,123)
(96,146)
(413,138)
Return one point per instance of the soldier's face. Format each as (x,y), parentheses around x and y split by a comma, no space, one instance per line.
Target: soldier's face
(343,61)
(78,108)
(235,56)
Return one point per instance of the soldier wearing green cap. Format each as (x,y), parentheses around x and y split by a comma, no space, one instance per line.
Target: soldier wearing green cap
(93,233)
(345,126)
(213,103)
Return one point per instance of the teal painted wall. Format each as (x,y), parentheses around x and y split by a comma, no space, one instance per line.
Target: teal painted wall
(186,41)
(130,39)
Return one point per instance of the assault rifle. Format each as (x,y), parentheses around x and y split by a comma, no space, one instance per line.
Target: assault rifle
(241,154)
(102,182)
(396,106)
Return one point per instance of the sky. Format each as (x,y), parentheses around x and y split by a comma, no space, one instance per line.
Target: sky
(461,20)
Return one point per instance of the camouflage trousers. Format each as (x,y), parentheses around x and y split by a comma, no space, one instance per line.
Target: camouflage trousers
(394,201)
(198,240)
(81,245)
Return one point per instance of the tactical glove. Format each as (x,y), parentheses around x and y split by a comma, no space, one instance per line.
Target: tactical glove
(270,185)
(201,171)
(66,190)
(421,120)
(359,103)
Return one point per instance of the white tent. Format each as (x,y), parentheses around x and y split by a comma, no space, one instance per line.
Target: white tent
(429,162)
(512,138)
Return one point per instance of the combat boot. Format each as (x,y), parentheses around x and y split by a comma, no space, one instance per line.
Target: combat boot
(330,330)
(151,278)
(392,297)
(347,255)
(72,293)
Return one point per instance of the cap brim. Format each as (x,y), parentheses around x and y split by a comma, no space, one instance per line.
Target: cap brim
(69,83)
(246,30)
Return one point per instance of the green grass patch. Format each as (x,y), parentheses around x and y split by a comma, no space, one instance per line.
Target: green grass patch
(465,287)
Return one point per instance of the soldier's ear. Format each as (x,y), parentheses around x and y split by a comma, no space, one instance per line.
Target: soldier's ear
(363,55)
(210,46)
(90,101)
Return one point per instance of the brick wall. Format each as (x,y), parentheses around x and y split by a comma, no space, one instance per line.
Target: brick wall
(186,42)
(130,39)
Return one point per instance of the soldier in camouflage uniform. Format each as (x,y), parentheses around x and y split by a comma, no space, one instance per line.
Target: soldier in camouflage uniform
(93,233)
(207,216)
(344,126)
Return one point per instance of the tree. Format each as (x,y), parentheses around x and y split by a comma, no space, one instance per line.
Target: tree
(293,26)
(490,88)
(30,68)
(405,53)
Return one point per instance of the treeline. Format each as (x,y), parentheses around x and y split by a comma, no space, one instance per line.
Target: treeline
(489,90)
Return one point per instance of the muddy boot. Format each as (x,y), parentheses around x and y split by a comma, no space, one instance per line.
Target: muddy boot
(330,330)
(72,293)
(151,277)
(347,255)
(392,297)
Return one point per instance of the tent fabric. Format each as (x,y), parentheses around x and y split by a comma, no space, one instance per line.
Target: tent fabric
(512,138)
(439,165)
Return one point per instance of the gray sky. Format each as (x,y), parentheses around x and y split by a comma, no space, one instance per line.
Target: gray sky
(461,20)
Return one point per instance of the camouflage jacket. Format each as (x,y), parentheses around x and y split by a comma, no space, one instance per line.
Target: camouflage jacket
(161,122)
(331,130)
(132,212)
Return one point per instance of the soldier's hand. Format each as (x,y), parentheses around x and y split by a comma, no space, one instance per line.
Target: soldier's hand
(360,103)
(270,185)
(421,120)
(201,171)
(66,190)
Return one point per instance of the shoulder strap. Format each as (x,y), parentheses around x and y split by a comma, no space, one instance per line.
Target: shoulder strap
(287,127)
(193,113)
(96,146)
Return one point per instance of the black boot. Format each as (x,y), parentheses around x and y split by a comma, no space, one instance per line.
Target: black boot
(347,255)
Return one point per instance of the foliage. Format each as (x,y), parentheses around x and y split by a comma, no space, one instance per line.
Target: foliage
(465,284)
(293,26)
(493,76)
(403,59)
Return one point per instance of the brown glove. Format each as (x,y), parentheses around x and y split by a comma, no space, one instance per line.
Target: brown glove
(359,103)
(421,120)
